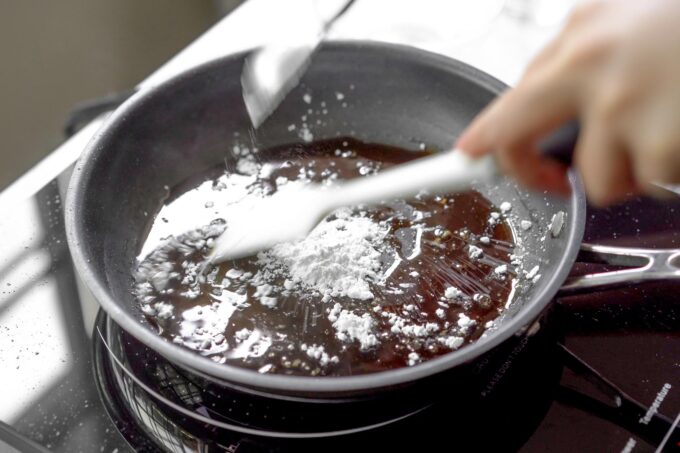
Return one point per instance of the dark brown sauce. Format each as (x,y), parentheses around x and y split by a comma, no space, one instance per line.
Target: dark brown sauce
(414,290)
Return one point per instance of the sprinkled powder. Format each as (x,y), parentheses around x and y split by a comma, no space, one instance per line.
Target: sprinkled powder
(358,328)
(452,293)
(338,258)
(475,252)
(305,134)
(464,321)
(452,342)
(501,270)
(532,273)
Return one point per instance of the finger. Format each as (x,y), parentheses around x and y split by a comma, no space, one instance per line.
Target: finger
(532,170)
(534,108)
(553,177)
(604,164)
(546,96)
(468,140)
(656,146)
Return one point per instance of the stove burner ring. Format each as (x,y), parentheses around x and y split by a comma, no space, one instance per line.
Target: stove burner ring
(241,429)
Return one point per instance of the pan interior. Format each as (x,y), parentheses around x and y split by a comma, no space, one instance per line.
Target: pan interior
(372,288)
(373,93)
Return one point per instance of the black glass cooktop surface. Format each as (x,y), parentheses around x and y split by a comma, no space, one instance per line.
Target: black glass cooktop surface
(603,377)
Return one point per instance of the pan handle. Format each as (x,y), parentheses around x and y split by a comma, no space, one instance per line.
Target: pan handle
(643,265)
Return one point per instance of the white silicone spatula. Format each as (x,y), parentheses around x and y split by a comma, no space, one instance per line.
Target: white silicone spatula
(291,214)
(273,70)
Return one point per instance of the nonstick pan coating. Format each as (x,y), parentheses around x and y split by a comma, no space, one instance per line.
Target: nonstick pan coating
(394,95)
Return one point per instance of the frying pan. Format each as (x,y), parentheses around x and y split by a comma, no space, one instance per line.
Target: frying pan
(393,95)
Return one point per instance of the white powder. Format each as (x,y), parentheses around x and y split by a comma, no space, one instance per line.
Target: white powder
(318,352)
(265,369)
(247,166)
(413,358)
(557,224)
(338,258)
(305,134)
(202,328)
(349,326)
(234,273)
(464,321)
(164,310)
(525,224)
(401,326)
(420,330)
(493,218)
(269,302)
(451,342)
(242,334)
(452,293)
(532,273)
(506,207)
(335,311)
(481,298)
(475,252)
(263,290)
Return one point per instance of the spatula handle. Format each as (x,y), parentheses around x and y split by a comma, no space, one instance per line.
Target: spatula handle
(449,171)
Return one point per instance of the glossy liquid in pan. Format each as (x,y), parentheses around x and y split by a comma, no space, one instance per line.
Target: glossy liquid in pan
(451,223)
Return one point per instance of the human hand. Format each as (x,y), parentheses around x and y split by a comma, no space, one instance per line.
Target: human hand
(616,67)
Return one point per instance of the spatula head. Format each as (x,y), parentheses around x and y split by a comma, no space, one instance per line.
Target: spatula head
(287,215)
(270,73)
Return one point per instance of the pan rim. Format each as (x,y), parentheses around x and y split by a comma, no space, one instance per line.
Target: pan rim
(303,384)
